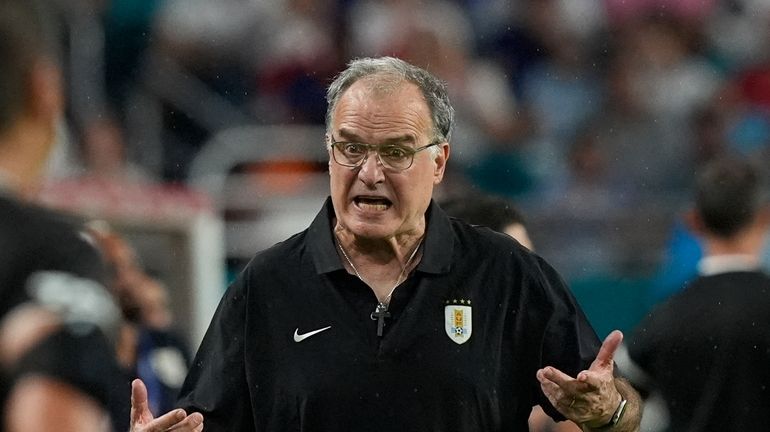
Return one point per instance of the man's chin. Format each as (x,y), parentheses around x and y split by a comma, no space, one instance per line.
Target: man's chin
(369,229)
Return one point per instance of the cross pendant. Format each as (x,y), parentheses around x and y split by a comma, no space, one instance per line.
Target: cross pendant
(379,315)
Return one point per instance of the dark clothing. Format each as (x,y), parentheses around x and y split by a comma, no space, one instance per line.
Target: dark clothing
(45,262)
(251,375)
(707,350)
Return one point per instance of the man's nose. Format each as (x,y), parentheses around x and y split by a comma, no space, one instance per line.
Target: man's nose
(372,171)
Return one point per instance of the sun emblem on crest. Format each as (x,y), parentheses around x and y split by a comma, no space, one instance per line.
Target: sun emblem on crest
(458,320)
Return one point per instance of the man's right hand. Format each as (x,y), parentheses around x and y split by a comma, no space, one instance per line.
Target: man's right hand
(143,421)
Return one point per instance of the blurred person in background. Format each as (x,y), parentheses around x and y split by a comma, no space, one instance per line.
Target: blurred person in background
(496,213)
(57,322)
(706,349)
(148,347)
(340,326)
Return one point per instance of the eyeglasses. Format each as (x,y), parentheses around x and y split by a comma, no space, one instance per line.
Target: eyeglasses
(391,156)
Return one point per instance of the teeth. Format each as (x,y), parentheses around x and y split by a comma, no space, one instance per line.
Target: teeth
(373,206)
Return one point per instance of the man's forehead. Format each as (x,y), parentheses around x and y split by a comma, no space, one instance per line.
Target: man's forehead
(382,87)
(399,114)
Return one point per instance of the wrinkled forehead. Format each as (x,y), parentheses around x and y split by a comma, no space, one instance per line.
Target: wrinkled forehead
(384,90)
(382,110)
(384,84)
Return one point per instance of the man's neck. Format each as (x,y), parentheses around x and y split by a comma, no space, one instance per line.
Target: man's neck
(23,153)
(10,184)
(740,252)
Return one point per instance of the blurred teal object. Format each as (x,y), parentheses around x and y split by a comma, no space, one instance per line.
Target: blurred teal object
(612,302)
(502,173)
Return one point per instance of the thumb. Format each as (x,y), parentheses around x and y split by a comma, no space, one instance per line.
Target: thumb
(140,411)
(605,357)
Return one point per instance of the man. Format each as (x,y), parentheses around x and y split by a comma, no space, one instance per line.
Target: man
(385,314)
(707,348)
(57,366)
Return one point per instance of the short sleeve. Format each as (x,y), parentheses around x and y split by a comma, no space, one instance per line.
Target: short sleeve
(216,384)
(569,342)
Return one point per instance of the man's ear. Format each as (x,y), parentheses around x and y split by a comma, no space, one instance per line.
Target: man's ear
(44,89)
(441,160)
(693,221)
(763,217)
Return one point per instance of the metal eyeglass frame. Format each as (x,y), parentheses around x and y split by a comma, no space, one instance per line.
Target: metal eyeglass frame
(376,149)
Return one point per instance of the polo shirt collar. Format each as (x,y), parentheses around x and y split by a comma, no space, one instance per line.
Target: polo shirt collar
(437,250)
(717,264)
(439,241)
(320,240)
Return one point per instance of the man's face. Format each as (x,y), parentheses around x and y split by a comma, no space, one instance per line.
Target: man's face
(372,201)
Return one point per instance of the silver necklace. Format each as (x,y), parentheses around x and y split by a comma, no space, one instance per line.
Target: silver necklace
(381,311)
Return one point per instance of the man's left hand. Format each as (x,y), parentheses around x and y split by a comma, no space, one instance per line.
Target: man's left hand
(591,398)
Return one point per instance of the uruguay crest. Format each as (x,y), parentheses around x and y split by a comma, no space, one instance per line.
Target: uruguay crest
(458,321)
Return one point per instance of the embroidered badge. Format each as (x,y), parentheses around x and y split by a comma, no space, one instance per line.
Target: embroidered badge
(458,321)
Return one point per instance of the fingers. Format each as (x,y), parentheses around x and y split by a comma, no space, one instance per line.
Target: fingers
(550,376)
(606,354)
(588,396)
(190,423)
(174,421)
(142,419)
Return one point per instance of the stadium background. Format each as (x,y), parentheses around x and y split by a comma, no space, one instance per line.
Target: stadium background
(196,127)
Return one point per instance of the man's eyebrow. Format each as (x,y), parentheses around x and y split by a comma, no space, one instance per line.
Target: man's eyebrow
(406,139)
(348,135)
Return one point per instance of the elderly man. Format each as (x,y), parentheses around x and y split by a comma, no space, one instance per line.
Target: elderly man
(385,314)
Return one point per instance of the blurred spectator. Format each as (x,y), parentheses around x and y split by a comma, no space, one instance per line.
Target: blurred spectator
(301,57)
(105,154)
(561,90)
(711,372)
(645,150)
(738,32)
(149,348)
(496,213)
(620,12)
(57,323)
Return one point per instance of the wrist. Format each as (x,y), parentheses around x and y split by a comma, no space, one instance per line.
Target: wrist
(617,415)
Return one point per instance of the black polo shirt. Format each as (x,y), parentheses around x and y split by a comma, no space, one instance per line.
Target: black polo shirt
(468,330)
(707,349)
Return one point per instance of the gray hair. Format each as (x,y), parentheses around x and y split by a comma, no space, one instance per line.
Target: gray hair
(391,72)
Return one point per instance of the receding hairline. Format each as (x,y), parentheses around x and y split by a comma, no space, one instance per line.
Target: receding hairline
(383,84)
(391,73)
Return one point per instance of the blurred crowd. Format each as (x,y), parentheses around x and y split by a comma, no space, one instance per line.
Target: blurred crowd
(589,104)
(594,116)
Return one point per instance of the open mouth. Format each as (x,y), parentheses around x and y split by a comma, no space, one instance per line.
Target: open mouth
(372,203)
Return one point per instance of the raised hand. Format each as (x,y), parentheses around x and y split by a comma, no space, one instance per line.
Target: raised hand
(592,397)
(142,419)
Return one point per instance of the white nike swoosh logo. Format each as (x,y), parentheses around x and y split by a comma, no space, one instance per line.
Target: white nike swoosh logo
(300,337)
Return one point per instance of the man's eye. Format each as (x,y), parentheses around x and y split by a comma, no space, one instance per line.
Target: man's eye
(394,152)
(353,148)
